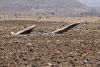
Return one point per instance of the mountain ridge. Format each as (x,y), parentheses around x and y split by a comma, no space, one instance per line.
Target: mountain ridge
(60,6)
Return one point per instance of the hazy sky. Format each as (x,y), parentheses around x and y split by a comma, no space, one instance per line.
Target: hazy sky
(91,2)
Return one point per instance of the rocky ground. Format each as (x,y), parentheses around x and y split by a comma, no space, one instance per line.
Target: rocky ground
(78,47)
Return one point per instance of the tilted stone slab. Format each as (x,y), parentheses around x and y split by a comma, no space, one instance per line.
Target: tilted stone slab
(60,31)
(25,30)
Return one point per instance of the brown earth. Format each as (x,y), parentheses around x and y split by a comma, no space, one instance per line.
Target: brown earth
(78,47)
(54,18)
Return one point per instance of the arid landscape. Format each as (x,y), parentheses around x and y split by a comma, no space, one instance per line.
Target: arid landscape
(28,38)
(77,47)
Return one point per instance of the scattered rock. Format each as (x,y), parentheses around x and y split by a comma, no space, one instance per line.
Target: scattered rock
(85,61)
(12,33)
(49,64)
(29,44)
(58,52)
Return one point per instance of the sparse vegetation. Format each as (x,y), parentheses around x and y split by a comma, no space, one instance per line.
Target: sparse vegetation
(39,17)
(52,13)
(19,14)
(81,13)
(98,28)
(37,14)
(99,20)
(44,14)
(55,26)
(86,22)
(62,21)
(16,15)
(98,15)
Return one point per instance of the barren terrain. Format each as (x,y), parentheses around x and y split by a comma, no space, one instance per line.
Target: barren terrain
(54,18)
(78,47)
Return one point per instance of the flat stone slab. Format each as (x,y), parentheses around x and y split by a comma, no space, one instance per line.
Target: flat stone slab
(60,31)
(25,30)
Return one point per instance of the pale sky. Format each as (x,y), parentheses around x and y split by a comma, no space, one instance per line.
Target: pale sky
(94,3)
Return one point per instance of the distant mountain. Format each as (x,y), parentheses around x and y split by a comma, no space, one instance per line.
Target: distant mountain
(60,6)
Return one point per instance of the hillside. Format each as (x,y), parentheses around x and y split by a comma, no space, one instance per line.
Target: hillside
(62,7)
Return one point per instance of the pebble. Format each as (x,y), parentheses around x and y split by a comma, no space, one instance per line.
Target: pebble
(58,52)
(85,61)
(49,64)
(12,32)
(29,44)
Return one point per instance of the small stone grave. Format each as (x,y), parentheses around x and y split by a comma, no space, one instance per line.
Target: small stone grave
(65,29)
(25,31)
(28,30)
